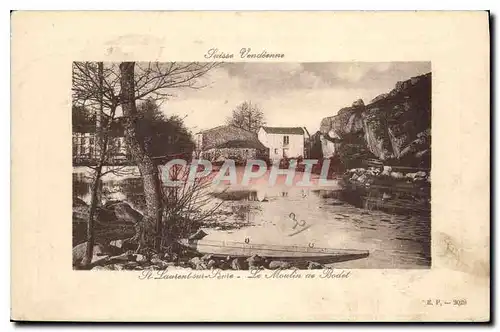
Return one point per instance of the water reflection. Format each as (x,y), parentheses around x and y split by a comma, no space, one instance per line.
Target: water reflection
(394,241)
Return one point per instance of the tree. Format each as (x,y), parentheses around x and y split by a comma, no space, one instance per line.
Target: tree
(122,86)
(247,116)
(166,137)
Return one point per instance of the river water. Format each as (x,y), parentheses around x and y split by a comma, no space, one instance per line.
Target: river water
(296,216)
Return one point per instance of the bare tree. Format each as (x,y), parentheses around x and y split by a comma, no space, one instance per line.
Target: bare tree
(123,85)
(189,206)
(247,116)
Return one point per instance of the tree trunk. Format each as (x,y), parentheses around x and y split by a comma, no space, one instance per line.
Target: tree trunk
(97,179)
(149,171)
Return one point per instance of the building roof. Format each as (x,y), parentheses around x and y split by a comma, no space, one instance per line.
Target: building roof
(284,130)
(242,144)
(222,127)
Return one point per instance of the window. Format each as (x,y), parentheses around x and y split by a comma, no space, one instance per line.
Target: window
(286,140)
(82,145)
(75,146)
(275,151)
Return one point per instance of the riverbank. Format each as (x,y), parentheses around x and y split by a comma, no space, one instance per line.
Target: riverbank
(401,191)
(262,213)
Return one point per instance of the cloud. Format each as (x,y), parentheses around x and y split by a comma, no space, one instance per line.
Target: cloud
(289,93)
(268,78)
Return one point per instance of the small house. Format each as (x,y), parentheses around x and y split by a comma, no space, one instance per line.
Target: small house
(283,142)
(229,142)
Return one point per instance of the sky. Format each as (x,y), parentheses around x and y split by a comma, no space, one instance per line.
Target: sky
(289,94)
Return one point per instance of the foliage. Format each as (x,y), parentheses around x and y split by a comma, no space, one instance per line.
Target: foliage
(83,120)
(247,116)
(165,137)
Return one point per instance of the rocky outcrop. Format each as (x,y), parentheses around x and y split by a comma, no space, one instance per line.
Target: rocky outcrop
(116,220)
(347,121)
(394,126)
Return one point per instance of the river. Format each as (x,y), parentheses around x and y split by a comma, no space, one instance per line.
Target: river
(296,216)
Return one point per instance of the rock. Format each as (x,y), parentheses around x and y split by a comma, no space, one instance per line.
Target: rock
(273,265)
(206,257)
(358,103)
(238,264)
(362,178)
(386,196)
(422,154)
(124,212)
(102,268)
(119,267)
(314,266)
(140,258)
(77,202)
(158,262)
(397,175)
(201,266)
(387,171)
(379,97)
(117,243)
(80,251)
(195,261)
(211,264)
(255,261)
(389,127)
(130,265)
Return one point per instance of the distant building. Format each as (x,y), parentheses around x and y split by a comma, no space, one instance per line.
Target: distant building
(283,142)
(86,150)
(229,142)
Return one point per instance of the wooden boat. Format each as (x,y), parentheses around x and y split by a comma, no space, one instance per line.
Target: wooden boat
(234,249)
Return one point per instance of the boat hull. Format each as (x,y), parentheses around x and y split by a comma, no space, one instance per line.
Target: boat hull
(223,249)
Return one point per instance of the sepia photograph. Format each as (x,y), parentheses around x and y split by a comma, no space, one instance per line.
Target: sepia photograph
(291,166)
(237,166)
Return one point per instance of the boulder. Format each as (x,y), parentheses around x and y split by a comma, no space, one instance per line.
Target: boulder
(80,251)
(123,212)
(195,261)
(358,103)
(238,264)
(273,265)
(102,268)
(314,266)
(387,171)
(159,263)
(207,257)
(362,178)
(255,261)
(140,258)
(397,175)
(212,264)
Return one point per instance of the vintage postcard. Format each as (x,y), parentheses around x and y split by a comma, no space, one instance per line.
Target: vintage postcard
(246,166)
